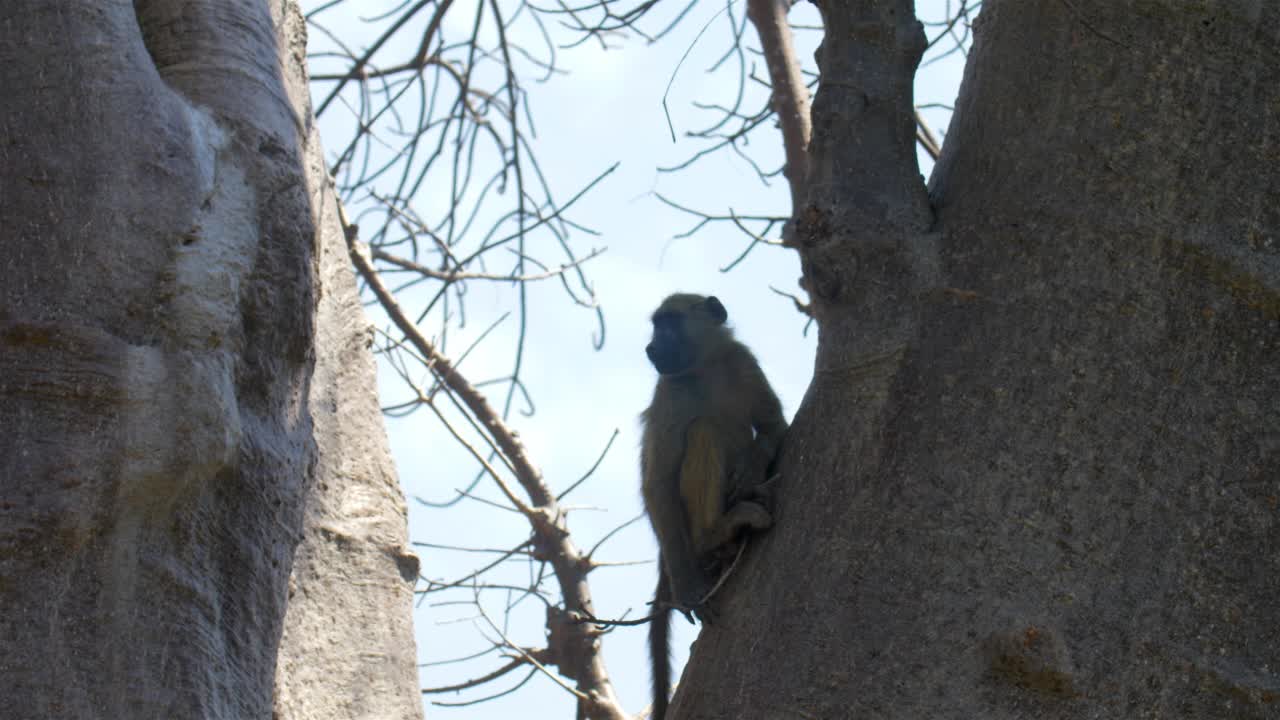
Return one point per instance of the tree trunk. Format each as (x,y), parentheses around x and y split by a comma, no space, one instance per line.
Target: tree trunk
(1038,471)
(179,336)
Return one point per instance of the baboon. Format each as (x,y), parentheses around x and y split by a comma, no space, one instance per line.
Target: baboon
(710,434)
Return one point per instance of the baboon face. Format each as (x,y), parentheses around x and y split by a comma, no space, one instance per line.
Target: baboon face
(684,326)
(669,351)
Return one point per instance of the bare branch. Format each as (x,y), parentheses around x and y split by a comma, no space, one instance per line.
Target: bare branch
(790,100)
(529,658)
(433,586)
(591,470)
(925,136)
(487,698)
(577,653)
(457,275)
(512,665)
(591,553)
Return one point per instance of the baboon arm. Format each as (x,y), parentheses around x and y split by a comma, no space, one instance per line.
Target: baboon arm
(766,419)
(766,414)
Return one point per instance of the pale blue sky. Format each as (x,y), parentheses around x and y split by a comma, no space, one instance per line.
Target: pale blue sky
(607,109)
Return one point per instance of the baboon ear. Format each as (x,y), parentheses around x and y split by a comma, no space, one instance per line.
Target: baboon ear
(717,310)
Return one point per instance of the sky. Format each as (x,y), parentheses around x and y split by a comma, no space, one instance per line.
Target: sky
(607,109)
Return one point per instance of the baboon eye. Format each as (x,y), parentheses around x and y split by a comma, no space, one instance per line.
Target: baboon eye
(666,321)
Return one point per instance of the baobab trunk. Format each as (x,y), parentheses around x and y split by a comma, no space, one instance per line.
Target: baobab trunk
(179,335)
(1038,471)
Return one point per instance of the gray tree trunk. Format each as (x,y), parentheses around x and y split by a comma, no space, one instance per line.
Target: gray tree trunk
(186,392)
(1038,472)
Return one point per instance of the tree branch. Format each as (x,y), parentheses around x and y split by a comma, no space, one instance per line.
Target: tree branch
(576,650)
(790,98)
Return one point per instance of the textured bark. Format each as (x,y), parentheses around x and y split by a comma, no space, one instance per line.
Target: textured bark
(169,266)
(1038,471)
